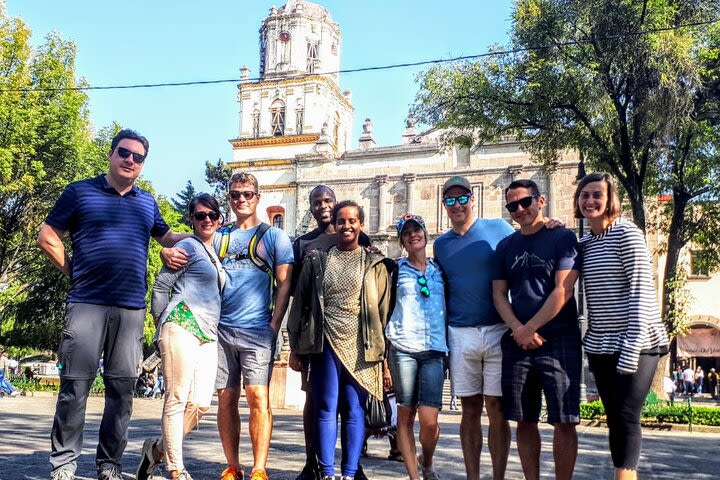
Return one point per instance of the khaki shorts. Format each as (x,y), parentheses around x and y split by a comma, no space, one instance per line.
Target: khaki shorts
(475,360)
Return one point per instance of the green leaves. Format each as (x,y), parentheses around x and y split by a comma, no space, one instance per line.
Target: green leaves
(634,86)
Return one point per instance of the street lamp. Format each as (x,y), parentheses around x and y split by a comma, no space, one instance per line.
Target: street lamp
(581,291)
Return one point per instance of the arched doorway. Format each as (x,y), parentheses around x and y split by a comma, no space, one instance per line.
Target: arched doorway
(700,346)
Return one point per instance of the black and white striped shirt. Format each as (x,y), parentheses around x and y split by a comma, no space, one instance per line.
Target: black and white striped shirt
(623,313)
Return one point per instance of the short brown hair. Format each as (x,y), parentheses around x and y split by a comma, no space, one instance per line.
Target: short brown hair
(242,177)
(613,208)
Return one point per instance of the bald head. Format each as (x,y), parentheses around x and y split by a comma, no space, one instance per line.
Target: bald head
(323,190)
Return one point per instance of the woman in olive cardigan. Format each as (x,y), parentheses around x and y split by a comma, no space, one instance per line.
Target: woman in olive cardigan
(340,308)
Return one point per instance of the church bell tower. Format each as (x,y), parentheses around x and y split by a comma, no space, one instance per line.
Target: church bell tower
(296,104)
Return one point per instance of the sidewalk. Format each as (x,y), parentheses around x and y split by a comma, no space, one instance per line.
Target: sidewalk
(25,429)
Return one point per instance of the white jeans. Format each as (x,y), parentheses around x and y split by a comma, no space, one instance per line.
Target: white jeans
(189,368)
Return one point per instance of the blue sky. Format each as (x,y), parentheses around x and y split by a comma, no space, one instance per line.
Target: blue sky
(170,41)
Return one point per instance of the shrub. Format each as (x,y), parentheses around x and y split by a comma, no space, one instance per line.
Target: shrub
(592,410)
(662,413)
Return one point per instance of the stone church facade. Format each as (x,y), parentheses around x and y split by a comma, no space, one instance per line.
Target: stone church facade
(295,133)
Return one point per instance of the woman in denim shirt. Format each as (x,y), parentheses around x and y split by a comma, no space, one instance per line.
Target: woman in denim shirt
(186,308)
(417,346)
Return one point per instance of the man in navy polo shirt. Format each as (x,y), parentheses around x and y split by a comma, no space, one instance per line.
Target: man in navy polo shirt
(110,222)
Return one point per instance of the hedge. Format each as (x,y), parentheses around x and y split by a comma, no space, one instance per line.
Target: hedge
(662,413)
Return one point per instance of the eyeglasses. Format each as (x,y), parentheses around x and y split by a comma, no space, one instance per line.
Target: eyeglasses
(523,202)
(462,200)
(200,216)
(248,195)
(424,290)
(138,158)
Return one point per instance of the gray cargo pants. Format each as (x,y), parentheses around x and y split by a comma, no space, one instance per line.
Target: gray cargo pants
(91,331)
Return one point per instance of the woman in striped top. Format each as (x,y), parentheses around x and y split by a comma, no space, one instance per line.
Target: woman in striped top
(625,336)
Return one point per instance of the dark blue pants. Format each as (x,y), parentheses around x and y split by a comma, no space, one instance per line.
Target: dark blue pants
(335,391)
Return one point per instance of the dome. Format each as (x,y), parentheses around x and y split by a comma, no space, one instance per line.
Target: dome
(306,8)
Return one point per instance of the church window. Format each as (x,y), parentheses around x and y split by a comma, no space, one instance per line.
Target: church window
(312,56)
(278,221)
(277,123)
(699,264)
(333,49)
(256,123)
(299,118)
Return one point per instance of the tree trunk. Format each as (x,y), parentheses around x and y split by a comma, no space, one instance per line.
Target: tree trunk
(675,242)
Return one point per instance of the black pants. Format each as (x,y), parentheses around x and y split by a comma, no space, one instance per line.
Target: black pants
(92,332)
(623,397)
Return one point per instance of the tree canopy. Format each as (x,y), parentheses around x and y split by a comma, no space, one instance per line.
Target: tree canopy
(182,203)
(46,142)
(630,84)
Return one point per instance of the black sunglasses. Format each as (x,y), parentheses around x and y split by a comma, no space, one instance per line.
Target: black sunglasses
(523,202)
(424,290)
(200,216)
(123,152)
(462,200)
(249,195)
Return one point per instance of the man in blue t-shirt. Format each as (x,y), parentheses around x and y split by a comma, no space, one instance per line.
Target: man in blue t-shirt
(467,255)
(249,323)
(541,352)
(110,222)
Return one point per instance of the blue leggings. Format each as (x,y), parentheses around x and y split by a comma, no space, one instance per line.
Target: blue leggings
(335,391)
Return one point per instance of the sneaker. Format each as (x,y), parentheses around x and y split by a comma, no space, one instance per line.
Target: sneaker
(360,474)
(62,474)
(147,461)
(258,475)
(309,472)
(427,473)
(110,473)
(395,456)
(184,475)
(328,477)
(231,474)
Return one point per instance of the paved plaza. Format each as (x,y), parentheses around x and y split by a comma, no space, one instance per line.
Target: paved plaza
(25,430)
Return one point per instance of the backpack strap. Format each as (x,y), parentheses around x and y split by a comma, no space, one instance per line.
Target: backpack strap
(260,262)
(225,240)
(252,249)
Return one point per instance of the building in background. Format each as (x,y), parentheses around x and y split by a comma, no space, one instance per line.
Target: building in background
(295,132)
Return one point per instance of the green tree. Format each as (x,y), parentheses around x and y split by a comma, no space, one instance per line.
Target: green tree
(217,176)
(631,84)
(182,203)
(46,142)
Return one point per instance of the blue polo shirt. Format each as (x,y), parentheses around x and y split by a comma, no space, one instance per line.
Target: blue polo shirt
(469,263)
(110,235)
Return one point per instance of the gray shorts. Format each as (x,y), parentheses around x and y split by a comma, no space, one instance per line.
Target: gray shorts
(93,330)
(246,352)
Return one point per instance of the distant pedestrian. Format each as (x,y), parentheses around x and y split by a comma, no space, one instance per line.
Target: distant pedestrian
(712,382)
(669,387)
(6,388)
(688,381)
(699,380)
(625,337)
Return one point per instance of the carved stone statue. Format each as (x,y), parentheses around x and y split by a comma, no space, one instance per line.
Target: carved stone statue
(367,126)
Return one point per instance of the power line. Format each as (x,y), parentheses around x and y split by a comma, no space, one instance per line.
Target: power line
(365,69)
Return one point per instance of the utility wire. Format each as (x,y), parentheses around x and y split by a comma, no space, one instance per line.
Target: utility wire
(366,69)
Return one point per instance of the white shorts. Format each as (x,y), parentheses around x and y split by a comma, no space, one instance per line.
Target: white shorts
(476,360)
